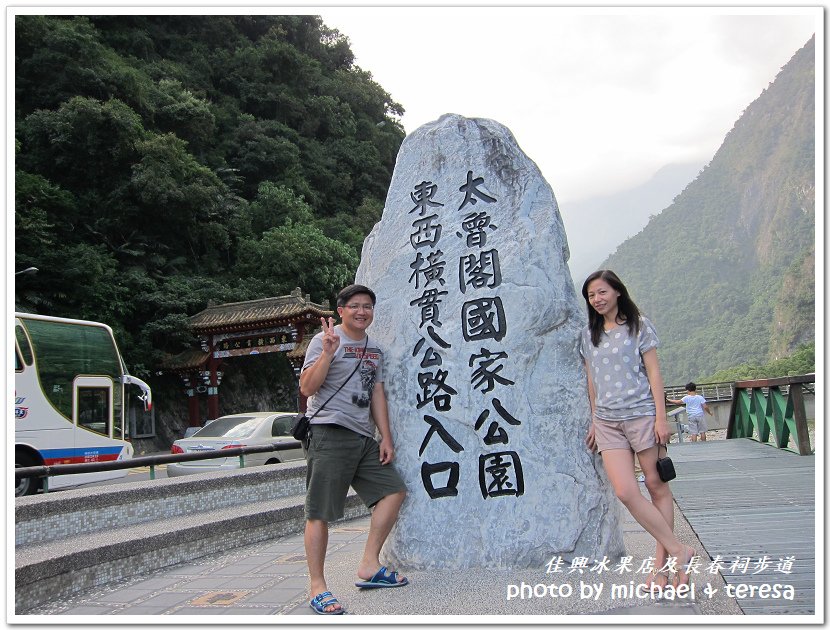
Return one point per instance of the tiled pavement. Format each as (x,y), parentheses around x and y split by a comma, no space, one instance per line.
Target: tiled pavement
(262,579)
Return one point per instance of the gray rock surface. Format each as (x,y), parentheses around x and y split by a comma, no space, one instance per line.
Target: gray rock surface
(480,323)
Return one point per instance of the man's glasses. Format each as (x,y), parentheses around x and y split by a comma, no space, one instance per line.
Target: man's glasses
(365,307)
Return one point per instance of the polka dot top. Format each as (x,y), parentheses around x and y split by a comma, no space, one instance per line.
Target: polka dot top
(618,373)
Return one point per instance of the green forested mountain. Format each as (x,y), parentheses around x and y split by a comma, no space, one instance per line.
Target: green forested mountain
(165,161)
(727,271)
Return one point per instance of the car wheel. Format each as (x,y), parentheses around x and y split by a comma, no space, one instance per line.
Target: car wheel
(273,460)
(29,485)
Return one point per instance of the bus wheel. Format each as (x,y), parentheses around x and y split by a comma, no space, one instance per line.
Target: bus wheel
(25,486)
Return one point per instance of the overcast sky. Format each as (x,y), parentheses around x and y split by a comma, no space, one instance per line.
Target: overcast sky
(600,99)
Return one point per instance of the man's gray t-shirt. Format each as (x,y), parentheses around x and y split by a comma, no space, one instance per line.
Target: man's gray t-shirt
(350,406)
(617,370)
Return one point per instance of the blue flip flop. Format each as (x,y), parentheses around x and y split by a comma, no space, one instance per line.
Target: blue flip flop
(319,604)
(382,579)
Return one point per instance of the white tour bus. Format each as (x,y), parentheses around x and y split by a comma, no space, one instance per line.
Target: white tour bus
(72,392)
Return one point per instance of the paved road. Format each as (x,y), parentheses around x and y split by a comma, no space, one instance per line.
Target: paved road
(141,473)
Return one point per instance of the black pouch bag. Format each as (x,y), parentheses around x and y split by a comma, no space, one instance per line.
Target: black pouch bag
(300,426)
(665,466)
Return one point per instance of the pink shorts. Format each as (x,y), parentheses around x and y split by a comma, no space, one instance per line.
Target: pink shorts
(636,435)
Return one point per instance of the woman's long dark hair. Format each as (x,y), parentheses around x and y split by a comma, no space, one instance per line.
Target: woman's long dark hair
(627,311)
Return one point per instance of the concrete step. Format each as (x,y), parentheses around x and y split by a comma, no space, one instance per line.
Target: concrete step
(78,512)
(68,563)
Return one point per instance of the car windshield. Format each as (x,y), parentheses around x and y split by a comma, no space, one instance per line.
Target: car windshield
(237,427)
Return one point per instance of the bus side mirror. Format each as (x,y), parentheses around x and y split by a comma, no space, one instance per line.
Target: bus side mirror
(146,395)
(148,403)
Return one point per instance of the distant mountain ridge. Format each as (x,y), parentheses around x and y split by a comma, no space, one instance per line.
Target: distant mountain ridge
(597,225)
(726,272)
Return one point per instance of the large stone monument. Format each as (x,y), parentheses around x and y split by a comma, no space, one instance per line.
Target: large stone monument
(480,322)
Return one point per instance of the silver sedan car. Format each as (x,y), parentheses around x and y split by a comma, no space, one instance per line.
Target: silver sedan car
(257,428)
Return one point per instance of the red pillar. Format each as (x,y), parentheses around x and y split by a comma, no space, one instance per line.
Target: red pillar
(191,384)
(213,389)
(194,418)
(302,401)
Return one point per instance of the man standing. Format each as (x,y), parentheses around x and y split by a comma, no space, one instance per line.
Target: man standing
(695,406)
(343,377)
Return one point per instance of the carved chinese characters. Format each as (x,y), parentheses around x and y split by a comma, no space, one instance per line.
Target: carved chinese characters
(479,320)
(482,320)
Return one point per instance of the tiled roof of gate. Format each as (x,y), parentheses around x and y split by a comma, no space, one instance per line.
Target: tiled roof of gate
(297,355)
(253,314)
(186,361)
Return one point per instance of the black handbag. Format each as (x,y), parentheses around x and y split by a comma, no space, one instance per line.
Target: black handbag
(665,466)
(301,426)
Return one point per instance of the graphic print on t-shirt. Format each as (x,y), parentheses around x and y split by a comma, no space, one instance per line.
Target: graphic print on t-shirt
(366,371)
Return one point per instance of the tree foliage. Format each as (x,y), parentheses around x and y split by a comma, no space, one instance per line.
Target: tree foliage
(802,361)
(164,162)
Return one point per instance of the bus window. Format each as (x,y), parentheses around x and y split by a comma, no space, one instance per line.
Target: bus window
(94,409)
(65,350)
(18,362)
(23,342)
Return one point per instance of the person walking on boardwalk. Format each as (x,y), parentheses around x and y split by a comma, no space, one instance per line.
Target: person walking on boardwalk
(695,406)
(343,377)
(619,347)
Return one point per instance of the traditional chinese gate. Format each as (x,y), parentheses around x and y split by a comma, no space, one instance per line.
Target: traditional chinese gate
(276,324)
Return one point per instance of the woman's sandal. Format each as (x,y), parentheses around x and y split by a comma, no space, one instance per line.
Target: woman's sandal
(681,569)
(657,579)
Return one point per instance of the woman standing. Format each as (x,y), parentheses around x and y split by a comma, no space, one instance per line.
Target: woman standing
(619,347)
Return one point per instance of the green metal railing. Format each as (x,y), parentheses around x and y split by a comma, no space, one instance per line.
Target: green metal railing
(771,408)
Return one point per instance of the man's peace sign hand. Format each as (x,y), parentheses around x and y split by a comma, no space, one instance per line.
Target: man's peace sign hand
(331,340)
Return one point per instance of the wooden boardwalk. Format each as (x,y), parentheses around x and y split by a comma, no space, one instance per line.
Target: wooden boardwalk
(747,500)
